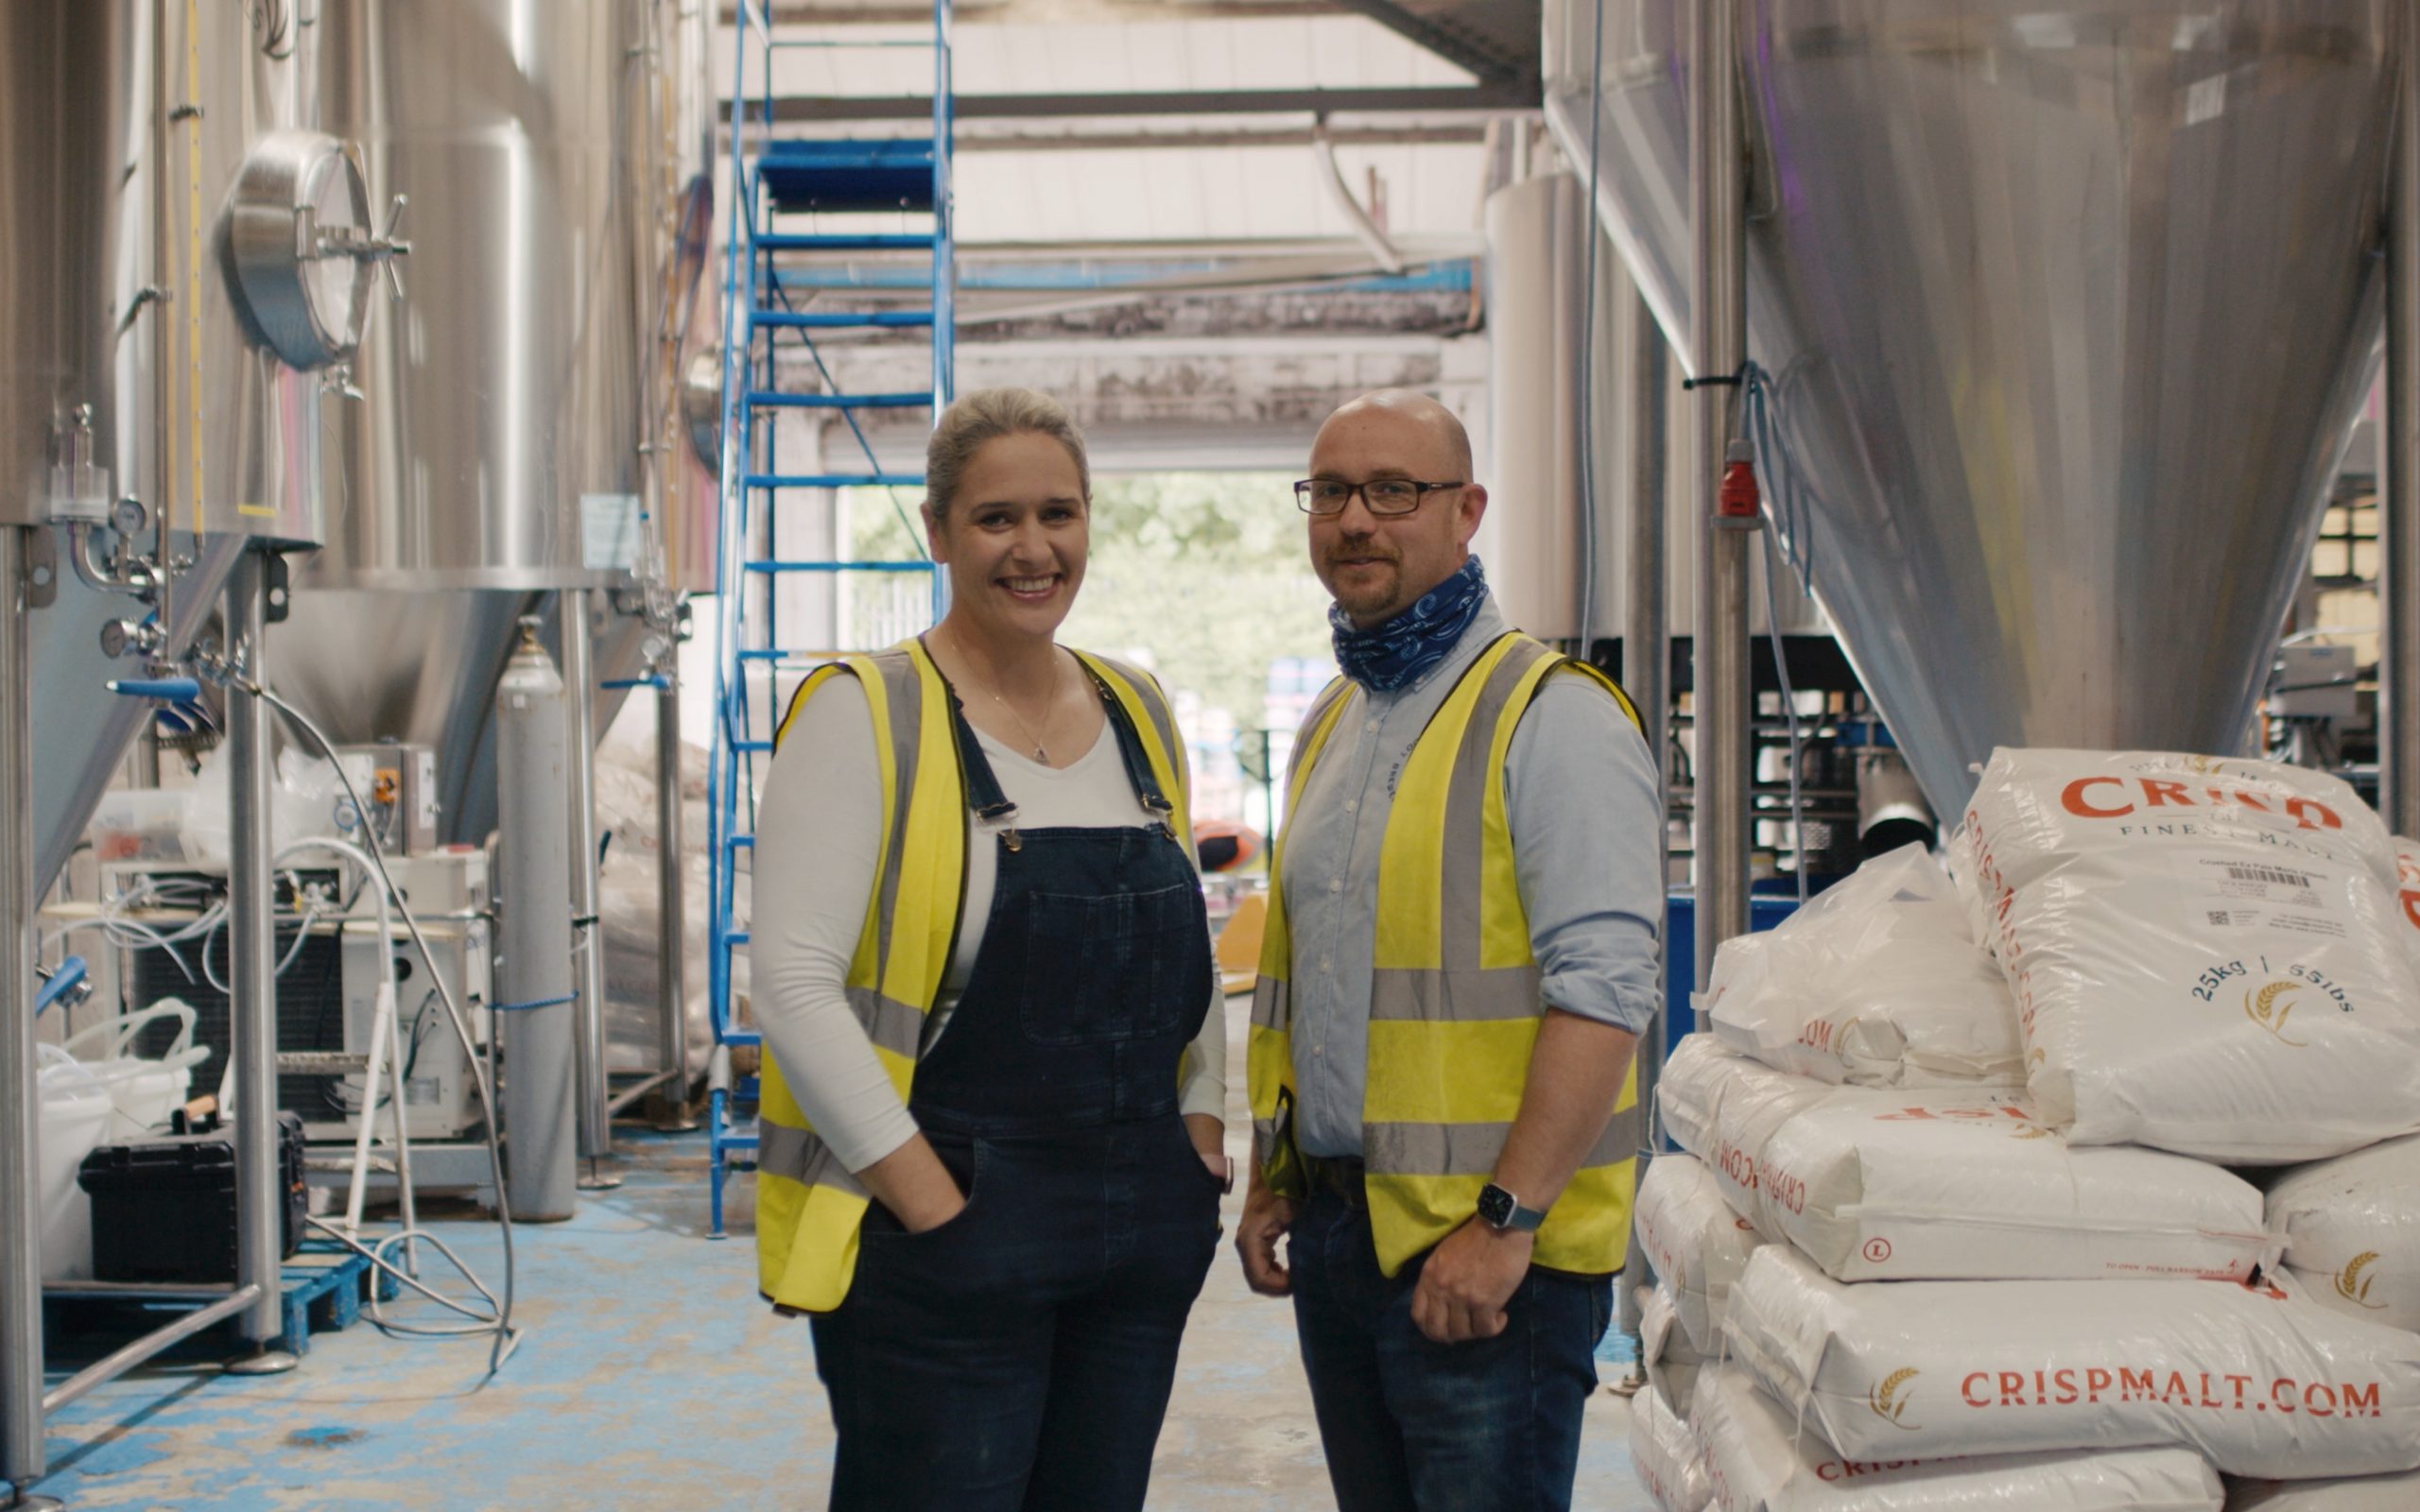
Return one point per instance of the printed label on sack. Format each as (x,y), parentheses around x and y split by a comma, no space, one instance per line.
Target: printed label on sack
(2233,891)
(2093,1384)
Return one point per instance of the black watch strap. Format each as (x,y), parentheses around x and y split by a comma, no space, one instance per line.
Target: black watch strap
(1501,1209)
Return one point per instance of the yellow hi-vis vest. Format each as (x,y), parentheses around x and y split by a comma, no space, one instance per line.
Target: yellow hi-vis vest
(808,1206)
(1454,1001)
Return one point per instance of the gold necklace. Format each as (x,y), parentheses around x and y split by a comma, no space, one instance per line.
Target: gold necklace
(1040,739)
(1039,754)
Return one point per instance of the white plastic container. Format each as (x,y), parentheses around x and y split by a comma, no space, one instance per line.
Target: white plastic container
(76,1114)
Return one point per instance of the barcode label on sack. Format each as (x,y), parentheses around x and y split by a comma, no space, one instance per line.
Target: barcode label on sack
(2278,875)
(2226,891)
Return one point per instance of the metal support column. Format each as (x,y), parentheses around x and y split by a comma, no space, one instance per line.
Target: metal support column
(671,1102)
(251,1007)
(588,940)
(2399,500)
(1718,348)
(1647,676)
(1647,630)
(21,1346)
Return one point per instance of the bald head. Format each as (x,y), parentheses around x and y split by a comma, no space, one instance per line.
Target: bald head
(1421,423)
(1377,565)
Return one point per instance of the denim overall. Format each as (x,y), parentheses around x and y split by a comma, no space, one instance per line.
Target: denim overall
(1020,1354)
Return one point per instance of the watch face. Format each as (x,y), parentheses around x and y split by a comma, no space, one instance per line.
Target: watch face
(1496,1204)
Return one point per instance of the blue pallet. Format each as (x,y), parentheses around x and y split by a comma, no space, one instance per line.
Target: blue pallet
(324,1285)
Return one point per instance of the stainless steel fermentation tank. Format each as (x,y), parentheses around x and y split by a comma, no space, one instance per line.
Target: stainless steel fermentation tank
(136,362)
(506,442)
(2067,309)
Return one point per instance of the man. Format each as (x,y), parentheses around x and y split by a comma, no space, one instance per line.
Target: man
(1460,954)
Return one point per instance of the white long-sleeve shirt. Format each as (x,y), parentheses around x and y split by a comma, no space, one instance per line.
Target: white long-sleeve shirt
(818,834)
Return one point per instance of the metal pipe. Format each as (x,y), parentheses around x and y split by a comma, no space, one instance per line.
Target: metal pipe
(1647,676)
(109,1367)
(252,933)
(1647,631)
(1348,204)
(1718,347)
(2399,500)
(671,912)
(631,1095)
(588,940)
(21,1346)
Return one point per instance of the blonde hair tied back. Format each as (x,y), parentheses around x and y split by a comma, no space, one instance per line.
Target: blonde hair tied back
(987,416)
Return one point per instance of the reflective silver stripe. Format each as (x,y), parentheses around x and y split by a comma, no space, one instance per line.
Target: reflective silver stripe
(797,1153)
(1272,1004)
(1163,717)
(1456,997)
(1465,1149)
(904,691)
(896,1026)
(1458,904)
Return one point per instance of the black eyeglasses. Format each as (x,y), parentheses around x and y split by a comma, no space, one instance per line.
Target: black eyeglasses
(1382,495)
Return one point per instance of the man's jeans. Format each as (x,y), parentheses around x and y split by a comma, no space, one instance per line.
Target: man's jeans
(1410,1425)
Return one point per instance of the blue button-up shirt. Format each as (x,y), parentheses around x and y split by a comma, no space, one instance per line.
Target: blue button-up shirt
(1587,849)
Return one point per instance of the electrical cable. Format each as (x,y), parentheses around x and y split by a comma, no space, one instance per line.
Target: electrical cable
(505,1336)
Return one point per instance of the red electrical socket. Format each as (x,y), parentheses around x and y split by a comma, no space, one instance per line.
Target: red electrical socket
(1738,497)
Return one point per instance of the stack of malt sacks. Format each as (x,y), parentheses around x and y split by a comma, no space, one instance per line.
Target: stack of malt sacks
(1994,1256)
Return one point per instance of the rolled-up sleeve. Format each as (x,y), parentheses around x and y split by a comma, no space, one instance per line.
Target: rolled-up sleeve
(1588,852)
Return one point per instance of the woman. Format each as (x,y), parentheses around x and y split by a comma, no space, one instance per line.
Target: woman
(991,1149)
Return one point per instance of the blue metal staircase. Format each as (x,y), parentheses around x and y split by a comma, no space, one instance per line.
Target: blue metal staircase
(796,202)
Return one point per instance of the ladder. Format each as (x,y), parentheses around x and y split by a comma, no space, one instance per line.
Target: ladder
(798,205)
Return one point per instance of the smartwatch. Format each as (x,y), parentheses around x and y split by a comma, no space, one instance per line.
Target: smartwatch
(1501,1210)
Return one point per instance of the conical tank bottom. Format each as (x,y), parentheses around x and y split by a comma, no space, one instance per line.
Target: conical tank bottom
(2067,310)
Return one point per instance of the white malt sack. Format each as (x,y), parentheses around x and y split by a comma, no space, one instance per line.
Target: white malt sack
(2352,1231)
(1958,859)
(1944,1185)
(2202,952)
(1663,1453)
(1722,1107)
(1877,982)
(1697,1244)
(1757,1459)
(2407,895)
(2035,808)
(2360,1493)
(1669,1361)
(2258,1381)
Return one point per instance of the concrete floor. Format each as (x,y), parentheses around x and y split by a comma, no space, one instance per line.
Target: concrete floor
(650,1375)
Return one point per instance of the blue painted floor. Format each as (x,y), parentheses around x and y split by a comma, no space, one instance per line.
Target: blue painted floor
(651,1376)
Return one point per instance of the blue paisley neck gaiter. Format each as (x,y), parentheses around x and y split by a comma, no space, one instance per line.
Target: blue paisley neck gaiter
(1386,657)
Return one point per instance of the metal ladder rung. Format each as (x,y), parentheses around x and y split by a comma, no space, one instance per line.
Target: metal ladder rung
(837,319)
(774,399)
(770,566)
(833,480)
(886,242)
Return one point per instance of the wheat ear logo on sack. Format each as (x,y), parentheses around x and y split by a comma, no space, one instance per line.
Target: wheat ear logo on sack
(2355,1287)
(2268,1007)
(1886,1402)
